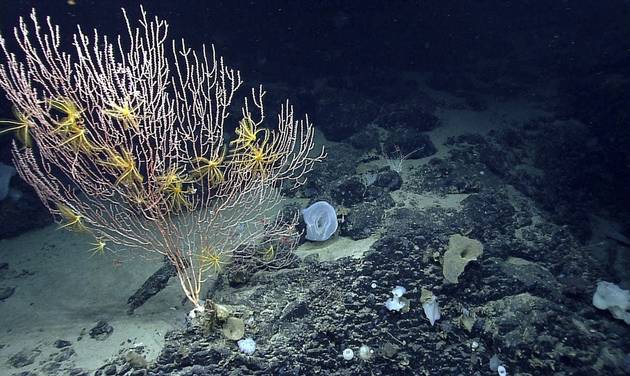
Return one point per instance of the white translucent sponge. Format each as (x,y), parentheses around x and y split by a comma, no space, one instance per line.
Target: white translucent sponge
(613,298)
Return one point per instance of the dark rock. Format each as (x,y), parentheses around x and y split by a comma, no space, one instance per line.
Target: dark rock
(6,292)
(64,355)
(199,370)
(294,310)
(372,192)
(446,177)
(51,367)
(488,213)
(574,286)
(365,139)
(389,179)
(362,220)
(238,277)
(348,191)
(201,357)
(108,370)
(409,117)
(25,214)
(24,358)
(125,369)
(533,277)
(341,161)
(408,144)
(529,324)
(154,284)
(78,372)
(60,343)
(101,331)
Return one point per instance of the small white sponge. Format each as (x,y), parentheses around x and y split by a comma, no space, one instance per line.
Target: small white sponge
(247,346)
(611,297)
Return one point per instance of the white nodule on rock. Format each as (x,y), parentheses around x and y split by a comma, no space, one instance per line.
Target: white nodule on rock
(394,304)
(348,354)
(247,346)
(399,291)
(501,371)
(365,352)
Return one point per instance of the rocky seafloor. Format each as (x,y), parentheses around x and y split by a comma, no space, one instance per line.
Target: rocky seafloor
(524,304)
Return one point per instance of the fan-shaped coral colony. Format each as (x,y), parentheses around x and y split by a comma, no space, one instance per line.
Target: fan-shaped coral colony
(125,138)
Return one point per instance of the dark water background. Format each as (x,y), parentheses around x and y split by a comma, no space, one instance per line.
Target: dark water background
(579,46)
